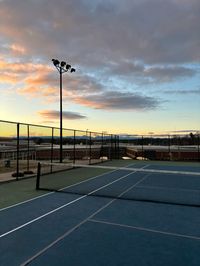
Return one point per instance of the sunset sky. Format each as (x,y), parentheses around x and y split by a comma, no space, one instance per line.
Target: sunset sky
(137,64)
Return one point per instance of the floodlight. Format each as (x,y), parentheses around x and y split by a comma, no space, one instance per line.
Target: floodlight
(63,64)
(55,62)
(68,66)
(73,70)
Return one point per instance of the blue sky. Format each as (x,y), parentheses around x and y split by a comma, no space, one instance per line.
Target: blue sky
(137,62)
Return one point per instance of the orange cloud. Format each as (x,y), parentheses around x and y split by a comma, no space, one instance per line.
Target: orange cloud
(17,49)
(23,68)
(30,79)
(35,91)
(29,90)
(9,78)
(88,103)
(43,78)
(50,91)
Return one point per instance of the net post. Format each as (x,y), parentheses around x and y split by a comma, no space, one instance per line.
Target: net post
(38,176)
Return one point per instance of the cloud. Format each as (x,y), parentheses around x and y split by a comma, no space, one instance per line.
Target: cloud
(127,68)
(17,72)
(168,73)
(9,78)
(23,68)
(183,92)
(184,131)
(41,81)
(137,41)
(139,72)
(154,32)
(17,49)
(112,100)
(51,114)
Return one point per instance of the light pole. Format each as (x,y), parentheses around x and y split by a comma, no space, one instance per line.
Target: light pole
(62,67)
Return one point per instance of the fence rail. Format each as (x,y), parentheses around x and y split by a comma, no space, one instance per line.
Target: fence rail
(23,145)
(163,147)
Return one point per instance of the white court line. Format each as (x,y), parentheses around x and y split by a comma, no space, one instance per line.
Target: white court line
(63,206)
(154,171)
(40,217)
(81,223)
(146,229)
(91,178)
(46,194)
(26,201)
(170,188)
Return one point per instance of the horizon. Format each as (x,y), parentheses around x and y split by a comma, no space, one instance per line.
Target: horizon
(9,130)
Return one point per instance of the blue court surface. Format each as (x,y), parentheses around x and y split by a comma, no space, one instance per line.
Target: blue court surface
(115,218)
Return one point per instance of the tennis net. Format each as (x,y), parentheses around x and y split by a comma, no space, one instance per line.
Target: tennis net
(133,182)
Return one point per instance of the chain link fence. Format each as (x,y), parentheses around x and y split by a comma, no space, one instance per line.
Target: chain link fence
(23,145)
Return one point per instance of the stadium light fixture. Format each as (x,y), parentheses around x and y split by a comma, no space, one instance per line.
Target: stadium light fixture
(62,67)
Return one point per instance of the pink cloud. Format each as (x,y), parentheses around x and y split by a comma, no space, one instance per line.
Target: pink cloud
(29,90)
(17,49)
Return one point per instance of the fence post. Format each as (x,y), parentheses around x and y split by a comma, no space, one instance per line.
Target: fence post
(17,170)
(28,148)
(142,148)
(74,149)
(102,151)
(115,146)
(169,147)
(111,147)
(52,140)
(198,144)
(90,149)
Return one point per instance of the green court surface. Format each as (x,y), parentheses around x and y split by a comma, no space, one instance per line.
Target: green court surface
(17,191)
(13,192)
(141,213)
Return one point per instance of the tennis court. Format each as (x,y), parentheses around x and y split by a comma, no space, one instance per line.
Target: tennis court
(135,213)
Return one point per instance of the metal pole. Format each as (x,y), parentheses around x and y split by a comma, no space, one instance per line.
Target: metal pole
(86,145)
(74,150)
(111,147)
(28,148)
(118,147)
(62,67)
(52,140)
(61,148)
(38,176)
(198,144)
(115,147)
(90,149)
(17,170)
(102,147)
(169,148)
(142,148)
